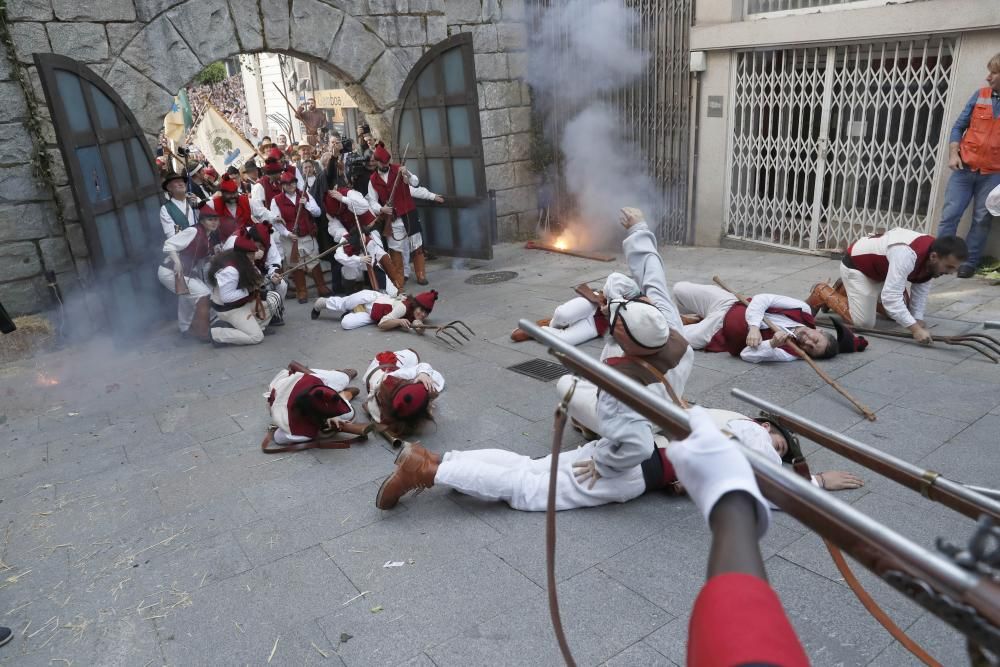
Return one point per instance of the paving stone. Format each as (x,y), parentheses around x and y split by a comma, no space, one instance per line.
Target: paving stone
(475,588)
(962,458)
(640,654)
(893,375)
(951,397)
(601,617)
(940,640)
(905,433)
(434,530)
(241,617)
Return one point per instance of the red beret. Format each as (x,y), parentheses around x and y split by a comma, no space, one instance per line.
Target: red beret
(272,167)
(208,211)
(245,244)
(229,184)
(210,173)
(275,154)
(288,177)
(426,300)
(410,399)
(381,154)
(263,232)
(327,401)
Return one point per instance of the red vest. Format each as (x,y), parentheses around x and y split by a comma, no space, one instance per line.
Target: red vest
(343,213)
(870,254)
(304,226)
(270,190)
(402,201)
(732,337)
(199,248)
(980,146)
(229,225)
(380,310)
(298,423)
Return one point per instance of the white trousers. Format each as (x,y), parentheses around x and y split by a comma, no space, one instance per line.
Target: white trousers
(862,296)
(573,321)
(583,406)
(406,244)
(346,304)
(523,482)
(335,380)
(247,329)
(185,302)
(307,249)
(709,302)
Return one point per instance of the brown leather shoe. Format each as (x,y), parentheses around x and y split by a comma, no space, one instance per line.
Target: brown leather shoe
(519,335)
(352,393)
(349,372)
(544,322)
(415,469)
(421,450)
(817,296)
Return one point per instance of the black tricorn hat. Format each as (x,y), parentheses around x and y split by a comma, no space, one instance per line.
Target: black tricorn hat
(847,340)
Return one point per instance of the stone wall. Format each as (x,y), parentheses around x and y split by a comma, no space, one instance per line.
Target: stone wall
(149,49)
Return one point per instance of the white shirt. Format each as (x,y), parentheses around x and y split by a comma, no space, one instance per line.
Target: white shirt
(228,279)
(758,438)
(309,204)
(755,318)
(415,191)
(902,261)
(167,222)
(258,208)
(356,204)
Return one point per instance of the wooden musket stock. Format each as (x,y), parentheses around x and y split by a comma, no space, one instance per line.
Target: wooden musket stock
(927,578)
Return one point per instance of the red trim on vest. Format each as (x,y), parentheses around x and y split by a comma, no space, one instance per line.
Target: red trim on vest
(199,248)
(403,202)
(980,145)
(601,322)
(738,620)
(876,266)
(270,191)
(304,225)
(380,310)
(732,337)
(229,225)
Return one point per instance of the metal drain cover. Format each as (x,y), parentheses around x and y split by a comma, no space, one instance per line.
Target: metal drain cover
(491,277)
(540,369)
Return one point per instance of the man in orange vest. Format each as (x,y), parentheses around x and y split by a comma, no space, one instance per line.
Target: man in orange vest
(975,162)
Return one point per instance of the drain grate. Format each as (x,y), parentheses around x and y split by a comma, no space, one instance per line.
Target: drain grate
(491,277)
(539,369)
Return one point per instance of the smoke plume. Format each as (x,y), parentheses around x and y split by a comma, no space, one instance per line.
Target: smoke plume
(580,52)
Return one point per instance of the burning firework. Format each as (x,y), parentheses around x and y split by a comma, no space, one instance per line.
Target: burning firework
(46,380)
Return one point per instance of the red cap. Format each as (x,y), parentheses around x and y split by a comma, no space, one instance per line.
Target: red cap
(381,154)
(208,211)
(228,184)
(410,399)
(426,300)
(263,232)
(271,167)
(245,244)
(275,154)
(327,401)
(287,177)
(210,173)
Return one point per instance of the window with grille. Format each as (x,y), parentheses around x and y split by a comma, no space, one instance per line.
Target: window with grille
(756,7)
(830,143)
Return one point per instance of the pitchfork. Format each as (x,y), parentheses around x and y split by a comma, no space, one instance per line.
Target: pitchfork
(972,340)
(449,333)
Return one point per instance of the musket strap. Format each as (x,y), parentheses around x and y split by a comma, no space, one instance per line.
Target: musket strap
(864,597)
(550,527)
(655,372)
(324,441)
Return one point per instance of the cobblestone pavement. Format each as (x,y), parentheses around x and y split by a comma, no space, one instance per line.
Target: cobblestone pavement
(141,525)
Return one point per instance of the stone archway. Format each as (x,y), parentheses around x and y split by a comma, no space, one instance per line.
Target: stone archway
(148,49)
(179,42)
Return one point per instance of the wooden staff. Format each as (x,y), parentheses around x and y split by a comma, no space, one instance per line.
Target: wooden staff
(866,411)
(313,259)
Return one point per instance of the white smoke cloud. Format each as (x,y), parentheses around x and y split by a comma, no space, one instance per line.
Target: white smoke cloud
(581,51)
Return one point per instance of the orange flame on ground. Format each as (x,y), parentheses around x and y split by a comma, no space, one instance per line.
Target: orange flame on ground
(44,380)
(561,243)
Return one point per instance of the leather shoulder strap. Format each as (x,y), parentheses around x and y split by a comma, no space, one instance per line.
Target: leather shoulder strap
(655,372)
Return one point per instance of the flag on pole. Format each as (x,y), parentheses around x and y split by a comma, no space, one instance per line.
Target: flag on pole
(222,145)
(173,123)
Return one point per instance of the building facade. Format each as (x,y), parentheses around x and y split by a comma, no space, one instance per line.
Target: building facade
(822,120)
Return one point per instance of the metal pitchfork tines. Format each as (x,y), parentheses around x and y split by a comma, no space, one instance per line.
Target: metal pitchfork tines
(451,334)
(976,341)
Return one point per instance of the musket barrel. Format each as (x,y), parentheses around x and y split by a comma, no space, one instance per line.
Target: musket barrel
(931,484)
(873,544)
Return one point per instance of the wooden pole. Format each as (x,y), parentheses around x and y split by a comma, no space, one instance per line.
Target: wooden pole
(863,409)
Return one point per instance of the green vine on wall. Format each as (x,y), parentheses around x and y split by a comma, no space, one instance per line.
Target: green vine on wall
(41,164)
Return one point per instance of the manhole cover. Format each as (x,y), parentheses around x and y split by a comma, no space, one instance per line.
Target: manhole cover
(539,369)
(491,277)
